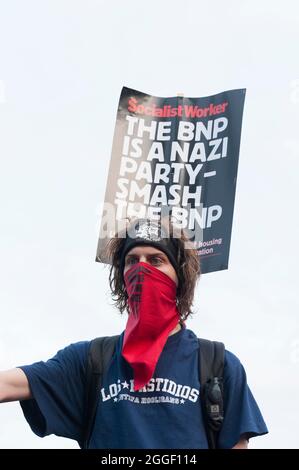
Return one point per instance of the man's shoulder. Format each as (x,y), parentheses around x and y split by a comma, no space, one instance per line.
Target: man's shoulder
(231,359)
(73,355)
(77,348)
(233,367)
(232,363)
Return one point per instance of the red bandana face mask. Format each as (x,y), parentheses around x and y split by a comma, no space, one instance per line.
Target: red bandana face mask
(153,315)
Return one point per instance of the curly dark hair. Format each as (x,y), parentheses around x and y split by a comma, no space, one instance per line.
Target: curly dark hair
(188,272)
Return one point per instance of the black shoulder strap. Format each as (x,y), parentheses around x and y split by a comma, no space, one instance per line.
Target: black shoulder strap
(211,365)
(100,353)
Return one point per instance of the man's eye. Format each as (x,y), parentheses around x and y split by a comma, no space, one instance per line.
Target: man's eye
(156,260)
(130,260)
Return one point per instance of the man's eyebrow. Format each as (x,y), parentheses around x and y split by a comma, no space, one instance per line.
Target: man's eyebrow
(157,254)
(129,256)
(150,254)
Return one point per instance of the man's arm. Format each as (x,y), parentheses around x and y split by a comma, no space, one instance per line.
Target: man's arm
(242,444)
(14,386)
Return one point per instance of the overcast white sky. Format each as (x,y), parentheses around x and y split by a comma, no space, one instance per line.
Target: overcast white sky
(62,66)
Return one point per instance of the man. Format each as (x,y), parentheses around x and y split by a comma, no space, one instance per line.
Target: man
(150,392)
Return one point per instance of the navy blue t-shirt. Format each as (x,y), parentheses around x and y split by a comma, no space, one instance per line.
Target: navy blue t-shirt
(165,414)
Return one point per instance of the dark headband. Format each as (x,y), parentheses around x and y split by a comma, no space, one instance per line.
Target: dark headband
(149,232)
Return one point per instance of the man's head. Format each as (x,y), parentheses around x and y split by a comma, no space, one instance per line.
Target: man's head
(161,245)
(153,256)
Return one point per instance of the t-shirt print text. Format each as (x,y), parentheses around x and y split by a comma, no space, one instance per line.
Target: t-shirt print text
(177,394)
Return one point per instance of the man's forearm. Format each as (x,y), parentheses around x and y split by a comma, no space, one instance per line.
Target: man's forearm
(14,386)
(242,444)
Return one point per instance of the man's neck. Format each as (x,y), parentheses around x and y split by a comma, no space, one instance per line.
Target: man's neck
(176,329)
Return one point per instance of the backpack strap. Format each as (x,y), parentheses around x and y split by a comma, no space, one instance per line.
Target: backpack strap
(100,353)
(211,365)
